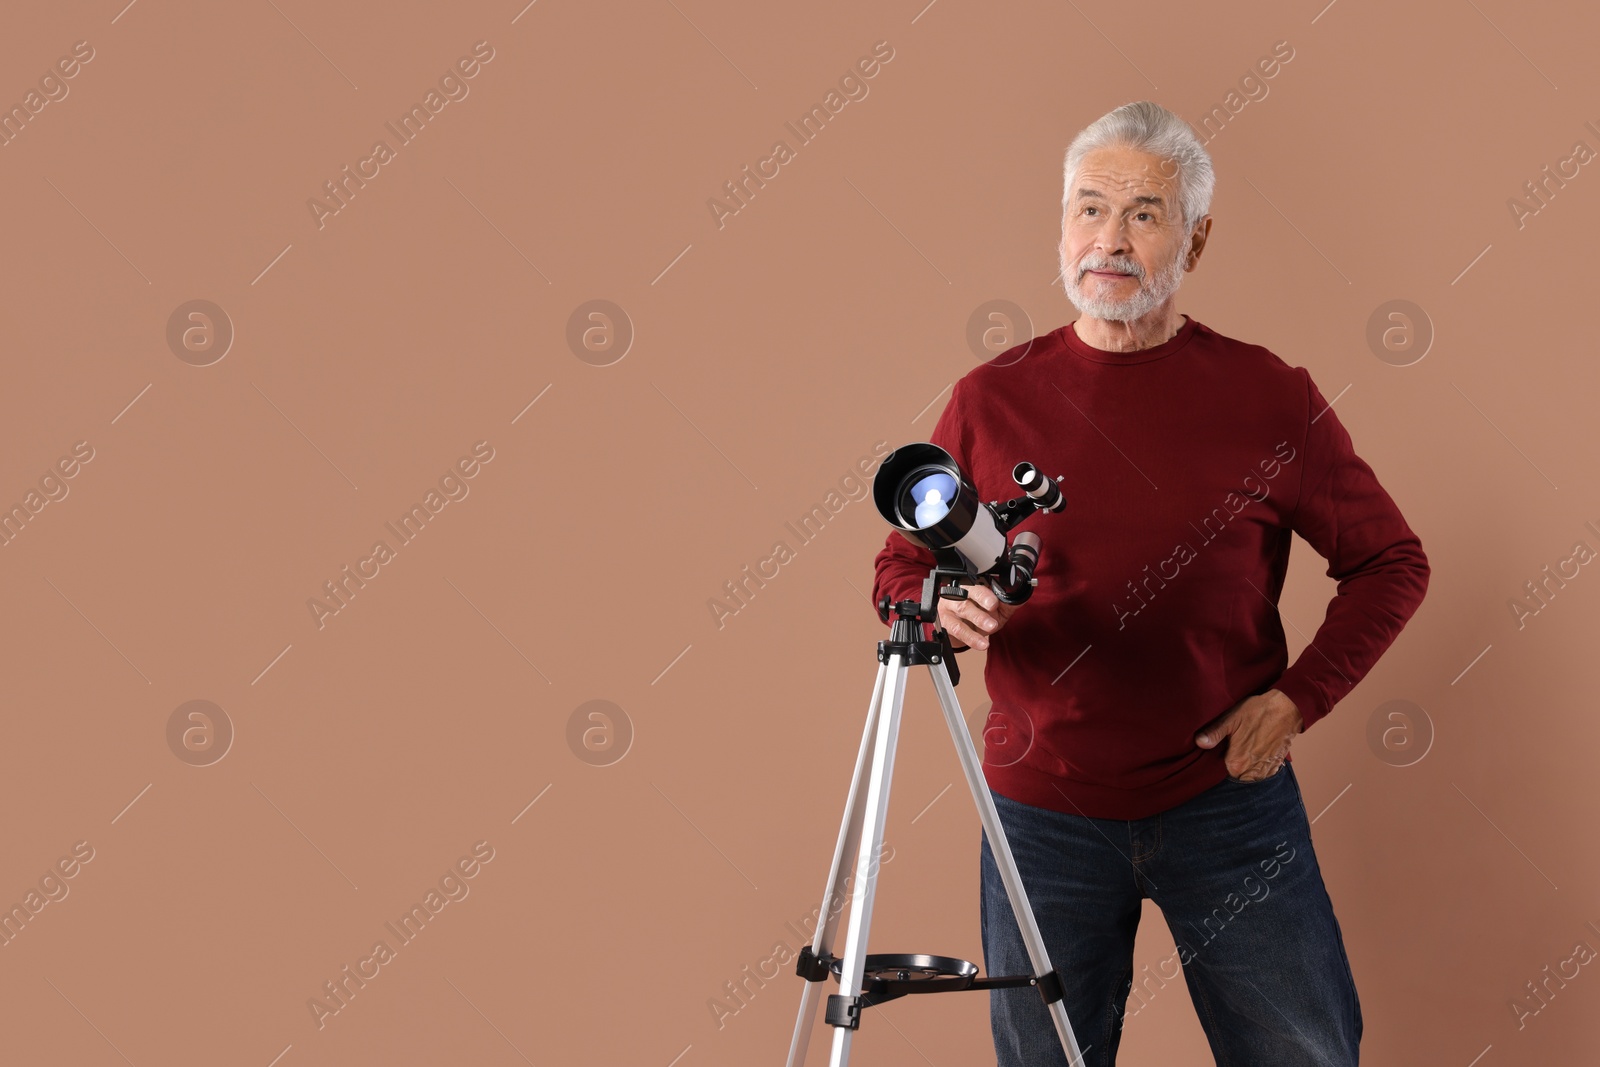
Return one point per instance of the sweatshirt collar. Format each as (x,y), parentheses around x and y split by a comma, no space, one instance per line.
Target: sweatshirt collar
(1080,348)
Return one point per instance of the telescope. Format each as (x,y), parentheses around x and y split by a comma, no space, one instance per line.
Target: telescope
(921,491)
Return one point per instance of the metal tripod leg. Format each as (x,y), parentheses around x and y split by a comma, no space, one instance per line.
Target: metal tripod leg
(853,963)
(833,895)
(1037,954)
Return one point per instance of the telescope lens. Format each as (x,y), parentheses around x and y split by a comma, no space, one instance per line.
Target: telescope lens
(926,496)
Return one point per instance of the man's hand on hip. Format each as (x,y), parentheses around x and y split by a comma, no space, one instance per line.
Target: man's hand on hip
(1258,730)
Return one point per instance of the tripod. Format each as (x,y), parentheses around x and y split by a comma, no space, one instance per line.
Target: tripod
(865,980)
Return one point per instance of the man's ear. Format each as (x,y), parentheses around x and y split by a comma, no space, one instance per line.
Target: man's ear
(1197,242)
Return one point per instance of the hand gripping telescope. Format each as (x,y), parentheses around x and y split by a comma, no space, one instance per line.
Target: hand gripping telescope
(922,492)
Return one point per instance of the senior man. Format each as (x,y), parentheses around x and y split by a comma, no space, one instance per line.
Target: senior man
(1143,703)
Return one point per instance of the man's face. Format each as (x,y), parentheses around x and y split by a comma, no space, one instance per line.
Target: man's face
(1124,247)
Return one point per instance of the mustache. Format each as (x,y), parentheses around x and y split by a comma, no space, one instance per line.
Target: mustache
(1120,266)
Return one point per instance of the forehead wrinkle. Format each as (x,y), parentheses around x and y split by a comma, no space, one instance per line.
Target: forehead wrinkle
(1146,172)
(1127,186)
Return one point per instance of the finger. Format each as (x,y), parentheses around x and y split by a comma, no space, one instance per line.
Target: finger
(1257,768)
(974,615)
(968,636)
(976,622)
(981,618)
(1212,733)
(980,626)
(953,634)
(959,629)
(1260,750)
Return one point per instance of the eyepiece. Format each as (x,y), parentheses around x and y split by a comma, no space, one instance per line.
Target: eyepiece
(1045,493)
(1015,585)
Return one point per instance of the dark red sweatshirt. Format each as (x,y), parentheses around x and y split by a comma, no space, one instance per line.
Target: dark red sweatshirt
(1187,466)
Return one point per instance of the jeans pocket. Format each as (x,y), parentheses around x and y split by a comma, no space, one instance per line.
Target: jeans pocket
(1259,781)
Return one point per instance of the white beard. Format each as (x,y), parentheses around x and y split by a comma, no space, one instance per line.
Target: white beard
(1152,293)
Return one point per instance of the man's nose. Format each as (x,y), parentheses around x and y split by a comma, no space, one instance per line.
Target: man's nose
(1112,238)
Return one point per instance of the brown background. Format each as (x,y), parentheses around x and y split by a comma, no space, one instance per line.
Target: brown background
(769,355)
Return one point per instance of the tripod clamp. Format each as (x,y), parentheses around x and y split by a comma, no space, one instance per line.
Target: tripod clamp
(905,638)
(905,633)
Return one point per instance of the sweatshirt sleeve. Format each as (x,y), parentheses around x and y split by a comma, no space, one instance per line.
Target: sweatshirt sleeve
(1377,560)
(901,567)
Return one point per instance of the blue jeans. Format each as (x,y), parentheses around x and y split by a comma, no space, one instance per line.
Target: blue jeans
(1233,873)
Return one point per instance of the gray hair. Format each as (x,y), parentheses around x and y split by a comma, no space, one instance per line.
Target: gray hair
(1149,127)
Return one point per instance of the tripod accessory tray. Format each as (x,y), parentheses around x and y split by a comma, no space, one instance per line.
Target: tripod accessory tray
(889,975)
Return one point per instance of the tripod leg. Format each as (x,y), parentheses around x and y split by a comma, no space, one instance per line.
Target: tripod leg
(833,895)
(1001,848)
(853,962)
